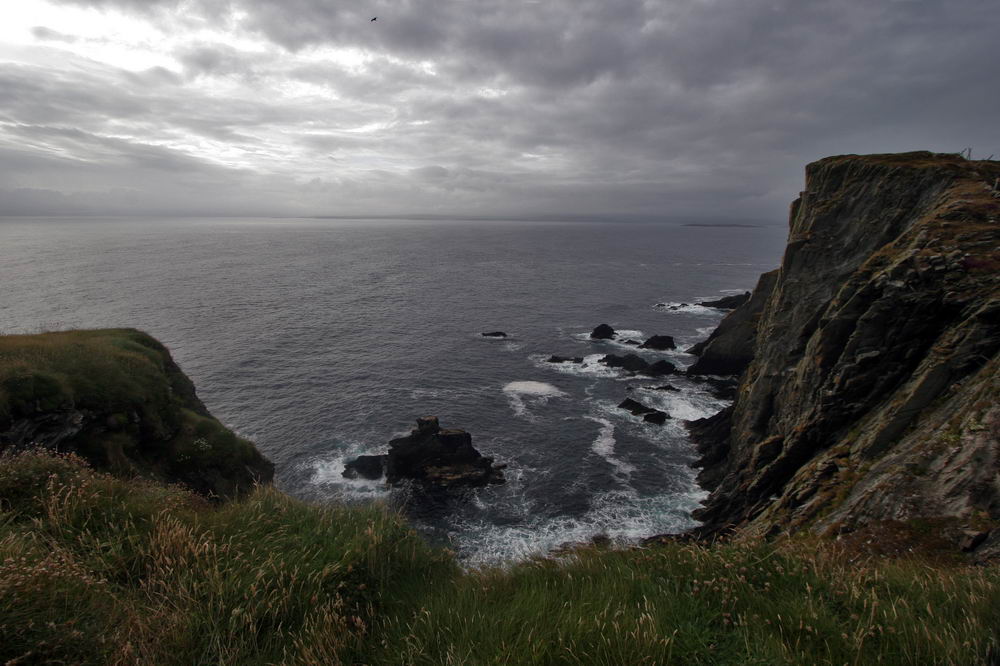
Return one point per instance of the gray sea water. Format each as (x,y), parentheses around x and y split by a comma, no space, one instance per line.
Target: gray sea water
(323,339)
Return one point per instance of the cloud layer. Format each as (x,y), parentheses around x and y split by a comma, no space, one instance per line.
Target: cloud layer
(666,108)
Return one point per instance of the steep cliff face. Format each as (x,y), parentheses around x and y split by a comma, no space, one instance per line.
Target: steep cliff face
(117,398)
(872,390)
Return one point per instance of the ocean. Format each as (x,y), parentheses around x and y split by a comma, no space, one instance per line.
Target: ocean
(321,340)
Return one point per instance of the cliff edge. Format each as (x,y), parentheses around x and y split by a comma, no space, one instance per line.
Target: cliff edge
(116,397)
(870,370)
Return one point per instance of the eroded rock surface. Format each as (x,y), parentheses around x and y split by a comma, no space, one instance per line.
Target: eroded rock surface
(871,391)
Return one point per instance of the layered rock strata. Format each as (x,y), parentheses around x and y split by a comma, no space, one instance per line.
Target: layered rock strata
(870,382)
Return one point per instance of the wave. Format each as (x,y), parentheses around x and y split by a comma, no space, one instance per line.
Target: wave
(622,516)
(687,308)
(604,446)
(326,478)
(525,394)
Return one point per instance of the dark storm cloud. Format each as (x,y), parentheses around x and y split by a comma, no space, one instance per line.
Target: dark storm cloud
(651,107)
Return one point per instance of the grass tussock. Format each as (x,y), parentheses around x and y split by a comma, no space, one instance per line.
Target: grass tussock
(94,569)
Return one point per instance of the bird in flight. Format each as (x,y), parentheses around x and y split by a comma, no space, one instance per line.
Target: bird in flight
(374,18)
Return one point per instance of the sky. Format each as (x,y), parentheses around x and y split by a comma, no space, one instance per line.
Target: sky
(667,109)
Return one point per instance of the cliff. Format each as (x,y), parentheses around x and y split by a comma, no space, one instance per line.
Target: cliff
(870,390)
(116,398)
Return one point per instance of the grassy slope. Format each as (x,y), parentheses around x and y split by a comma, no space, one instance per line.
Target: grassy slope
(141,414)
(95,569)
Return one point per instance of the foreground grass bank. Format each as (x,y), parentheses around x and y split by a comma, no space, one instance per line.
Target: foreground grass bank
(95,569)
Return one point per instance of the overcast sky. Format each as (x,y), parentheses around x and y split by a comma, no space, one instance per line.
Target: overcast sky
(672,108)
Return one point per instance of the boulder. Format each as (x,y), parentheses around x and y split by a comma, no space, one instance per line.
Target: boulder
(438,459)
(728,302)
(659,342)
(602,332)
(659,369)
(635,407)
(495,334)
(656,416)
(366,467)
(629,362)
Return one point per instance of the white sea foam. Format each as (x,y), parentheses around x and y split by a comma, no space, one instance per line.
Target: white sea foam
(687,404)
(604,446)
(589,368)
(621,515)
(525,394)
(327,478)
(687,308)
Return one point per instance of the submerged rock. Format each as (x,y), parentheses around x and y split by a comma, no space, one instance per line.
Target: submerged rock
(602,332)
(495,334)
(635,364)
(564,359)
(436,458)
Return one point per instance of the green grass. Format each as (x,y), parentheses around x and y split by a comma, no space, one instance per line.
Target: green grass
(139,412)
(96,569)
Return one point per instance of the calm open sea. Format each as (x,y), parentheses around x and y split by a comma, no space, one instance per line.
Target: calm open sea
(323,339)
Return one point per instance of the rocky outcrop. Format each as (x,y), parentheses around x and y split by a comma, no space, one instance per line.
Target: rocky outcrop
(118,399)
(648,414)
(602,332)
(728,302)
(638,365)
(730,347)
(659,342)
(872,389)
(437,459)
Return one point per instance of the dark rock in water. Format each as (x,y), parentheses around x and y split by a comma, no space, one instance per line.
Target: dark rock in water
(602,332)
(564,359)
(728,302)
(730,347)
(366,467)
(439,459)
(656,416)
(659,369)
(659,342)
(723,388)
(664,387)
(495,334)
(634,343)
(636,407)
(629,362)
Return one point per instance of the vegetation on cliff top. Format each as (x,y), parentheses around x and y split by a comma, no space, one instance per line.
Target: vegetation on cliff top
(117,398)
(97,569)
